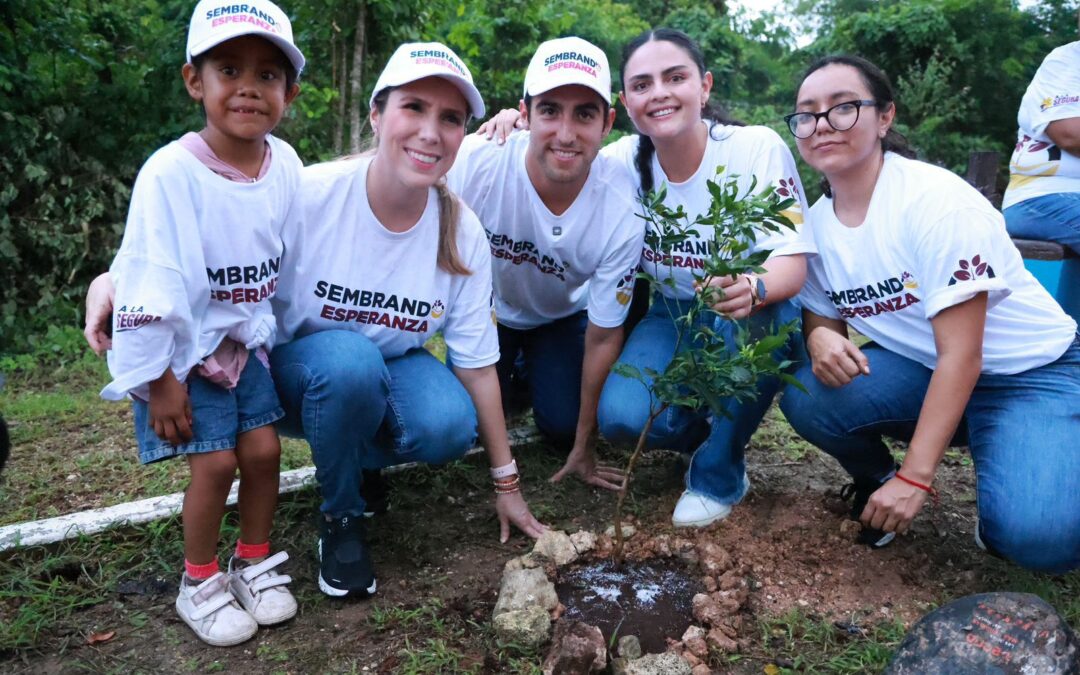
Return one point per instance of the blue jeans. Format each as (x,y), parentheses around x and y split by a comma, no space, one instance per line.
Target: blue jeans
(1022,430)
(718,466)
(550,359)
(218,414)
(1049,218)
(359,411)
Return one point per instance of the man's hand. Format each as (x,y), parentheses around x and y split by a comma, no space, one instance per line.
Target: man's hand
(582,463)
(170,409)
(99,307)
(836,359)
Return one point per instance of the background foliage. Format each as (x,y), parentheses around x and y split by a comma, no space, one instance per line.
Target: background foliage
(87,93)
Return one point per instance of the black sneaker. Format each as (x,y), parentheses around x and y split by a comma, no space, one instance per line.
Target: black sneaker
(345,561)
(376,493)
(859,492)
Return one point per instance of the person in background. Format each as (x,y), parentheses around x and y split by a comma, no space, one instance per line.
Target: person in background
(1043,197)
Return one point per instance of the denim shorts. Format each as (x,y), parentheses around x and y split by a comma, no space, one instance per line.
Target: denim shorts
(218,414)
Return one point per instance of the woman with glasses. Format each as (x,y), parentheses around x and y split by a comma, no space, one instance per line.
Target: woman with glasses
(967,348)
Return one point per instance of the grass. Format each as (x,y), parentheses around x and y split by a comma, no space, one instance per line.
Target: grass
(73,451)
(798,642)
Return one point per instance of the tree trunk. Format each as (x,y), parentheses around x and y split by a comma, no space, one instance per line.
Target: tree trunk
(356,82)
(339,80)
(617,553)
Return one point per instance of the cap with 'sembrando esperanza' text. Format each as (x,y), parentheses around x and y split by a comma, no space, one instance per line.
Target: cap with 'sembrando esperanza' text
(414,61)
(216,21)
(568,60)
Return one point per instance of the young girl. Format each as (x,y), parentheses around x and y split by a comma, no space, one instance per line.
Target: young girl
(682,141)
(967,347)
(195,272)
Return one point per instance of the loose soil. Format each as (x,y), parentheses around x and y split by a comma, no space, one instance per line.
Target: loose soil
(439,562)
(648,599)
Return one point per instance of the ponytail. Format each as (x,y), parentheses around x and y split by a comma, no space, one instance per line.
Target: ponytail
(448,259)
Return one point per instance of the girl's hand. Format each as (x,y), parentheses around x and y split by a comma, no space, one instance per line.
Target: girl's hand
(504,123)
(835,359)
(893,506)
(513,509)
(729,296)
(170,409)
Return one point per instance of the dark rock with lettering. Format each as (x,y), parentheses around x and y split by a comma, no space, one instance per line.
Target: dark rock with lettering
(1001,633)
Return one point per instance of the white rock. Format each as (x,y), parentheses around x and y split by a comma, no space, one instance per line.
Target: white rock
(556,546)
(527,627)
(526,588)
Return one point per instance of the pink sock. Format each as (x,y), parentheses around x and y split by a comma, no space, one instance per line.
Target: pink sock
(201,572)
(248,551)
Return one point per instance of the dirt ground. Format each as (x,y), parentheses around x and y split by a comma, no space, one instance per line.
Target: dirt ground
(439,562)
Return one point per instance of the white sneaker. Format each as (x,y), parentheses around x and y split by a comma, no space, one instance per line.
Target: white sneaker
(211,611)
(261,590)
(697,510)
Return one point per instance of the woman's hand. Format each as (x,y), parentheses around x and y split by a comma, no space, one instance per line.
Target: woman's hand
(893,506)
(170,409)
(512,508)
(729,296)
(836,360)
(99,307)
(582,462)
(504,123)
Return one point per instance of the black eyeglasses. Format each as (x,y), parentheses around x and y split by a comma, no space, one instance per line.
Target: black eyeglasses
(841,117)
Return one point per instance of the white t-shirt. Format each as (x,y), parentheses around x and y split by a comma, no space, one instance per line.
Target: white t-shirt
(1038,167)
(345,271)
(547,266)
(747,152)
(199,261)
(931,241)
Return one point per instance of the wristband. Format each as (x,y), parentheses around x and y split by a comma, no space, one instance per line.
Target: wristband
(505,471)
(925,488)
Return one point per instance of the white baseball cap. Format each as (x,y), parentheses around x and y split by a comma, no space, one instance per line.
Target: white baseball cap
(568,60)
(414,61)
(215,21)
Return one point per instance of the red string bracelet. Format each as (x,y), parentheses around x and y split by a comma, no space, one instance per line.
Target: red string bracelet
(925,488)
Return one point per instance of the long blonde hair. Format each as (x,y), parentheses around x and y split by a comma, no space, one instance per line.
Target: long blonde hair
(448,258)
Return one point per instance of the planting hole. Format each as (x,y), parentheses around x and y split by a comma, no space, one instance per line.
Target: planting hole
(648,599)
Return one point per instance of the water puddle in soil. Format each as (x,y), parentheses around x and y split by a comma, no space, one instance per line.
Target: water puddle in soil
(651,600)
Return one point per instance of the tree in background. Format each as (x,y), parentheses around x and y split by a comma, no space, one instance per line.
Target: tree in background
(87,93)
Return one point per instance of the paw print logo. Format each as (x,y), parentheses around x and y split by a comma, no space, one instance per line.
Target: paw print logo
(908,280)
(788,188)
(972,269)
(437,309)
